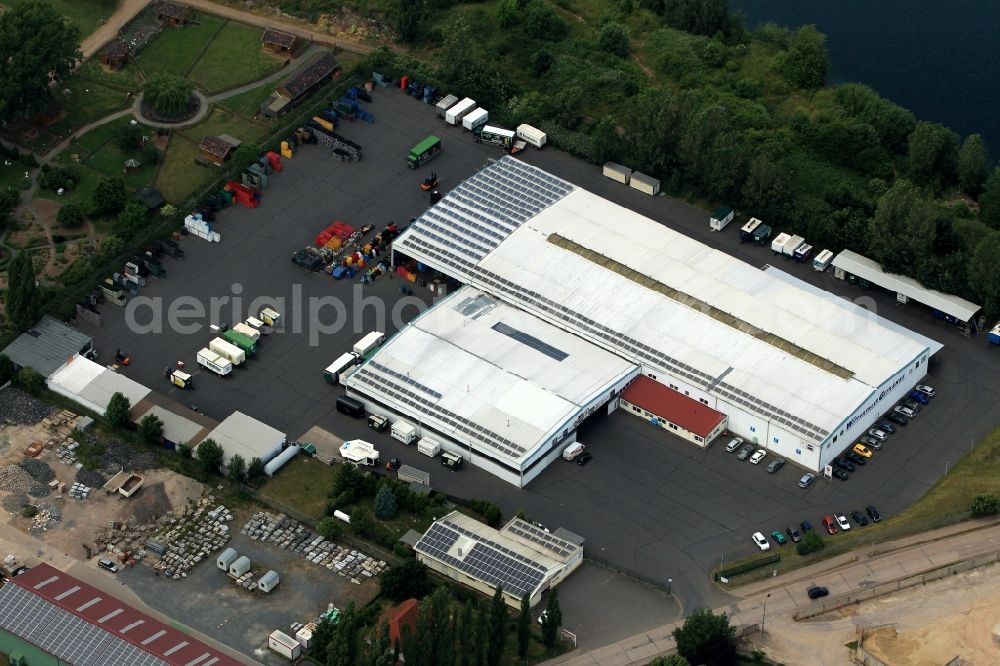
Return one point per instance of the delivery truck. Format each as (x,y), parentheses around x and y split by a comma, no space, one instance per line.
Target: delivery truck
(213,362)
(531,135)
(366,344)
(428,447)
(403,431)
(240,340)
(455,114)
(822,260)
(343,363)
(228,350)
(359,452)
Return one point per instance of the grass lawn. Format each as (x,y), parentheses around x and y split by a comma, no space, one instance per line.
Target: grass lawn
(109,160)
(233,58)
(223,122)
(87,101)
(180,177)
(248,103)
(11,175)
(86,14)
(175,50)
(89,178)
(127,78)
(95,138)
(302,484)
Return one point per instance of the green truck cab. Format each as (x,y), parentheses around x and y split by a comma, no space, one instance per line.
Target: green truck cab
(423,152)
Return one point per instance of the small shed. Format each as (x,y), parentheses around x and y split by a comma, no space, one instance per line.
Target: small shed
(216,149)
(277,41)
(115,55)
(268,581)
(132,165)
(308,79)
(150,197)
(173,14)
(240,566)
(226,558)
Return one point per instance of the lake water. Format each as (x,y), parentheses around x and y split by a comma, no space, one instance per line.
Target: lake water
(938,58)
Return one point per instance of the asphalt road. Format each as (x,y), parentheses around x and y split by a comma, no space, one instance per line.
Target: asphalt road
(648,501)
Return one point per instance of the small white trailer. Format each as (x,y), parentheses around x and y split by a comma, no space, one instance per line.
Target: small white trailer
(368,343)
(475,118)
(269,316)
(531,135)
(721,218)
(455,114)
(248,331)
(209,360)
(284,645)
(227,350)
(429,447)
(791,245)
(404,432)
(645,184)
(778,244)
(617,172)
(359,452)
(446,103)
(822,260)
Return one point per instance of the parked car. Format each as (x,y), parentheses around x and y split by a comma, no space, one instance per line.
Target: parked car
(843,522)
(794,534)
(873,514)
(758,456)
(870,441)
(807,480)
(925,389)
(745,452)
(919,396)
(806,526)
(887,426)
(912,404)
(779,537)
(855,458)
(862,450)
(817,592)
(734,444)
(879,434)
(843,464)
(108,565)
(897,418)
(775,465)
(904,410)
(584,458)
(841,474)
(859,518)
(829,524)
(760,541)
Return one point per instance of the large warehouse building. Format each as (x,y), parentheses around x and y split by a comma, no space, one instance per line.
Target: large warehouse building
(491,382)
(793,368)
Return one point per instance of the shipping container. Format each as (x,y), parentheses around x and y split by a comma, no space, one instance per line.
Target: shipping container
(284,645)
(366,344)
(748,229)
(645,184)
(242,341)
(455,114)
(778,243)
(343,362)
(445,104)
(209,360)
(532,135)
(476,118)
(617,172)
(721,218)
(228,350)
(403,431)
(803,252)
(247,330)
(413,475)
(822,260)
(761,234)
(429,447)
(791,245)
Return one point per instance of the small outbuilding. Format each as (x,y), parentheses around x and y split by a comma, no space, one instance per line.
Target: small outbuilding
(115,55)
(216,149)
(402,615)
(173,14)
(277,41)
(226,558)
(240,566)
(268,581)
(664,407)
(132,165)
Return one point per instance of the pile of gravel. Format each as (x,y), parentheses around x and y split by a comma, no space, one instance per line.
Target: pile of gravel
(38,470)
(119,455)
(15,479)
(89,477)
(39,489)
(14,503)
(20,408)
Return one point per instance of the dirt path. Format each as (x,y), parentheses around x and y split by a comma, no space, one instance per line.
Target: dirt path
(106,31)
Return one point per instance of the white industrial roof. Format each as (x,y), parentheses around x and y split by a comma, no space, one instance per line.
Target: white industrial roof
(92,385)
(248,437)
(176,428)
(652,294)
(870,270)
(479,361)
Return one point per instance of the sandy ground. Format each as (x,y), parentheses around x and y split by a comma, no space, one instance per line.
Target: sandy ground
(327,444)
(957,616)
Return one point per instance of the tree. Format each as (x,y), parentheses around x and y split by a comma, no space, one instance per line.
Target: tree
(496,628)
(6,368)
(552,620)
(132,219)
(706,638)
(670,660)
(811,542)
(973,165)
(541,61)
(651,123)
(151,428)
(117,410)
(209,456)
(902,229)
(8,202)
(489,511)
(613,39)
(933,153)
(699,17)
(347,483)
(169,96)
(892,123)
(442,634)
(237,469)
(255,470)
(70,215)
(409,19)
(108,198)
(989,200)
(984,273)
(243,157)
(379,651)
(322,635)
(984,504)
(468,640)
(363,523)
(385,503)
(524,627)
(31,380)
(768,187)
(542,22)
(508,13)
(37,48)
(804,63)
(128,137)
(330,528)
(111,247)
(343,648)
(404,580)
(22,292)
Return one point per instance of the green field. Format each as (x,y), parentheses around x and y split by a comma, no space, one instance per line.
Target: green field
(179,177)
(302,484)
(89,178)
(127,78)
(86,14)
(247,104)
(175,50)
(111,162)
(86,102)
(223,122)
(233,58)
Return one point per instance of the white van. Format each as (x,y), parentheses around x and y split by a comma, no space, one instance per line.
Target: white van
(572,451)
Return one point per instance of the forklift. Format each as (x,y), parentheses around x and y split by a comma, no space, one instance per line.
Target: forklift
(430,182)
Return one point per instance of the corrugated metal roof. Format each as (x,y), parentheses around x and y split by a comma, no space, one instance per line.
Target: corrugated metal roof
(176,428)
(85,626)
(47,346)
(92,384)
(673,406)
(248,437)
(870,270)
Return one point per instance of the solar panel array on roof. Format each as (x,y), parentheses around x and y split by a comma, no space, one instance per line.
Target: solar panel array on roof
(540,537)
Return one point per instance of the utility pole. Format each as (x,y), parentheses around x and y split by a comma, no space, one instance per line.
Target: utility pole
(764,612)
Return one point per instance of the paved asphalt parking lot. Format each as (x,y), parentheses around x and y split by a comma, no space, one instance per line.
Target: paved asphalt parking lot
(647,501)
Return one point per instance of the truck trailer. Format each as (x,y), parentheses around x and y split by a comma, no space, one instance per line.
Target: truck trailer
(403,431)
(247,330)
(213,362)
(366,344)
(284,645)
(337,368)
(423,152)
(446,103)
(240,340)
(475,118)
(455,114)
(228,350)
(497,136)
(531,135)
(359,452)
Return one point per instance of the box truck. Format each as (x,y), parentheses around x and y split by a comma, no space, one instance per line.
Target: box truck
(445,104)
(403,432)
(359,452)
(209,360)
(244,342)
(453,115)
(778,244)
(822,260)
(247,330)
(284,645)
(531,135)
(476,118)
(368,343)
(721,218)
(226,350)
(428,447)
(343,362)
